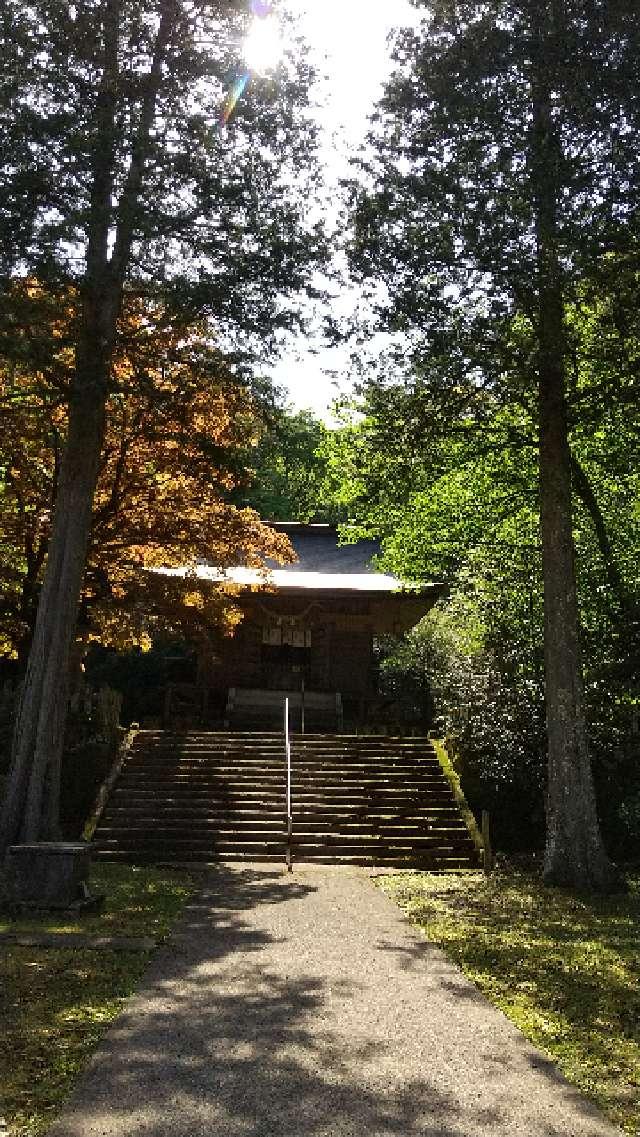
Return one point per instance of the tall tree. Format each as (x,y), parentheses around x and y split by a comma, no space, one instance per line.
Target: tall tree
(118,176)
(505,165)
(464,509)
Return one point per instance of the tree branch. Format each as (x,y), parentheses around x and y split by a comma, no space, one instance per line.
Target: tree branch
(585,492)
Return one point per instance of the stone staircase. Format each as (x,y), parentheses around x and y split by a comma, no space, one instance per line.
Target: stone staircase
(203,797)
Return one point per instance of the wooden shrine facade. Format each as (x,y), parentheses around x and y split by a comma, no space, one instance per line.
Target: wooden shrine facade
(325,639)
(313,624)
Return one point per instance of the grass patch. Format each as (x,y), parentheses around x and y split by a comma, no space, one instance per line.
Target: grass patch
(139,902)
(55,1004)
(563,968)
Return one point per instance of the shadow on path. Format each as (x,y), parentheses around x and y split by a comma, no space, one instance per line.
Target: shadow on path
(277,1013)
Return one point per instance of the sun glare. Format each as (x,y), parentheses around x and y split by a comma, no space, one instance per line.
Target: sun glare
(263,46)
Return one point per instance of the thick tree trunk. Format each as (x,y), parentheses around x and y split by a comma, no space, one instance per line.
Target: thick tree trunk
(30,809)
(574,853)
(31,806)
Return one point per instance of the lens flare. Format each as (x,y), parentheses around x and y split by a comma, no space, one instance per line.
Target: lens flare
(262,51)
(232,98)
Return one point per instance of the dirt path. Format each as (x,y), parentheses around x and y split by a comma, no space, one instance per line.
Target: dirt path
(305,1006)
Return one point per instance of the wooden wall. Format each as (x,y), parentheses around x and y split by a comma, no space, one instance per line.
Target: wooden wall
(340,628)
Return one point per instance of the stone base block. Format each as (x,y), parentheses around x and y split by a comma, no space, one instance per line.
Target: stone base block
(48,874)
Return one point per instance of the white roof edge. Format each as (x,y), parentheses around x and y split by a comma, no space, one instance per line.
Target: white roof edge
(280,578)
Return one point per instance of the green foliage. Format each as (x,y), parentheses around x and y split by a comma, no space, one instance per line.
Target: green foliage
(475,662)
(501,193)
(220,221)
(447,216)
(563,968)
(464,510)
(120,176)
(290,469)
(450,485)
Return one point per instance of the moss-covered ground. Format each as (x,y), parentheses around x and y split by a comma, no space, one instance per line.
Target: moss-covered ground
(564,968)
(56,1003)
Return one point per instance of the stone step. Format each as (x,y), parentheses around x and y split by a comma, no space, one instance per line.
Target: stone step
(225,791)
(442,866)
(189,825)
(254,738)
(307,816)
(211,778)
(442,863)
(181,847)
(272,737)
(210,815)
(271,845)
(351,775)
(374,766)
(304,801)
(212,795)
(255,831)
(272,784)
(161,839)
(358,764)
(203,833)
(330,815)
(277,761)
(261,756)
(277,749)
(276,738)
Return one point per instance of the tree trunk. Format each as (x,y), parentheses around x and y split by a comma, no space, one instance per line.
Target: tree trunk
(574,853)
(31,806)
(30,810)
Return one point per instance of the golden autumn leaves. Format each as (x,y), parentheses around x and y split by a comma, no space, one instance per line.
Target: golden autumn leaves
(178,424)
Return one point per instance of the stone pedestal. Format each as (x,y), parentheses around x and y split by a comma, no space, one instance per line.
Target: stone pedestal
(48,874)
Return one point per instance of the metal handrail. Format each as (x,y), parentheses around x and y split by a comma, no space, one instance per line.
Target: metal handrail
(287,743)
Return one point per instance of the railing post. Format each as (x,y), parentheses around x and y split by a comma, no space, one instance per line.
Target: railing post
(289,813)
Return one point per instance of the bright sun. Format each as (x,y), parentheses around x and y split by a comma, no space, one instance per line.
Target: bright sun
(263,46)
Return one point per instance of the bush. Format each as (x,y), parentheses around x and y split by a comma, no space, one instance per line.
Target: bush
(83,771)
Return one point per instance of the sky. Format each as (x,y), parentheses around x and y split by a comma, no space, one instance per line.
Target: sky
(348,41)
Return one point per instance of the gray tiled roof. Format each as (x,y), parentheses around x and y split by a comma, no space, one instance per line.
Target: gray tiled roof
(318,550)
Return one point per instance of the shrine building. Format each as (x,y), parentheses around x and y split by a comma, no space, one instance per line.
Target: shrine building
(308,632)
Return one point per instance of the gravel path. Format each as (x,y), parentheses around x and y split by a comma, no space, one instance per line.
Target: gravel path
(306,1006)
